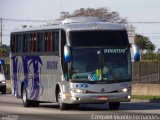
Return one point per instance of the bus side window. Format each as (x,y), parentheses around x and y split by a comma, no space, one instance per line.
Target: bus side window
(33,42)
(13,45)
(45,41)
(40,42)
(16,43)
(48,42)
(20,42)
(55,42)
(26,42)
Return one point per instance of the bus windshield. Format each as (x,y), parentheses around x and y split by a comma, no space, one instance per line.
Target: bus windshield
(101,55)
(110,64)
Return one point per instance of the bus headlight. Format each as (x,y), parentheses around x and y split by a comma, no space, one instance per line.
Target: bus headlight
(78,91)
(125,90)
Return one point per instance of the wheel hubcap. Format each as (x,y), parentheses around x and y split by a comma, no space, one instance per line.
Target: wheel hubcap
(24,96)
(59,99)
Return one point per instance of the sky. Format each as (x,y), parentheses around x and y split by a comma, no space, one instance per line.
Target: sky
(133,10)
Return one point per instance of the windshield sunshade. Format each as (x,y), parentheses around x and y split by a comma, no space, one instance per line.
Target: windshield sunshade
(98,38)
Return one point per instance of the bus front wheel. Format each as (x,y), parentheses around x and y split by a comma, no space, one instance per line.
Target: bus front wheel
(114,105)
(62,106)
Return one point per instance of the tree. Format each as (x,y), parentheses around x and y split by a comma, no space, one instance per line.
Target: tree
(104,13)
(4,50)
(144,43)
(150,46)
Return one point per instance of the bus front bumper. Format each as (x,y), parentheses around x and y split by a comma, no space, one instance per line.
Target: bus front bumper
(99,98)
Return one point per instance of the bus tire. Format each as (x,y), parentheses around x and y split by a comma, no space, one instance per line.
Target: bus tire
(62,106)
(35,103)
(26,102)
(73,106)
(114,105)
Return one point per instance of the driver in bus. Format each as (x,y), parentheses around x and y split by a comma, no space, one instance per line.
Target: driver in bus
(107,73)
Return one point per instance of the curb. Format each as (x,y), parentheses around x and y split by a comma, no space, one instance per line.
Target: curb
(149,101)
(138,100)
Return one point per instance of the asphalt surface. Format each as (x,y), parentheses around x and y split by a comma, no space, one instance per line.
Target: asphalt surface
(12,108)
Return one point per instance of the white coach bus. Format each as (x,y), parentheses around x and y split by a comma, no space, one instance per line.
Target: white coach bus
(73,61)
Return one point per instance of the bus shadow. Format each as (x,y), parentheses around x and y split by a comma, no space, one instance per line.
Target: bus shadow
(102,107)
(49,105)
(123,106)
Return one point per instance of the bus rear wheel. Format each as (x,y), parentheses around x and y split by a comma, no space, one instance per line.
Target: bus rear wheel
(114,105)
(62,106)
(35,104)
(26,102)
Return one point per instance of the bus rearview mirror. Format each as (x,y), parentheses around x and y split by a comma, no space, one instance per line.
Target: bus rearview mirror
(67,54)
(136,53)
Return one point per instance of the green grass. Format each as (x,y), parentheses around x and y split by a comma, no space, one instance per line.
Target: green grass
(7,60)
(8,83)
(145,97)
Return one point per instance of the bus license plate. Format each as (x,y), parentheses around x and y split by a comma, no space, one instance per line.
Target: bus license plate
(102,98)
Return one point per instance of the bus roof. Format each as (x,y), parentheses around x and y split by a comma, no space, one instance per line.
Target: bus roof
(75,23)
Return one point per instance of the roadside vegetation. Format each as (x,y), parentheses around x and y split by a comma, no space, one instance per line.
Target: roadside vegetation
(8,83)
(145,97)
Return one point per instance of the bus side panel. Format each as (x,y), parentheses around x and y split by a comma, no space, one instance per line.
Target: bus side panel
(16,66)
(50,75)
(39,75)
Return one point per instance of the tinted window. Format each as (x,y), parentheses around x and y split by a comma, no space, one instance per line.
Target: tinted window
(97,64)
(98,38)
(26,42)
(12,43)
(55,43)
(40,42)
(33,42)
(20,42)
(48,41)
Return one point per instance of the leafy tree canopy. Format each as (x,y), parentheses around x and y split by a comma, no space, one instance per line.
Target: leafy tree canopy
(103,13)
(5,50)
(144,43)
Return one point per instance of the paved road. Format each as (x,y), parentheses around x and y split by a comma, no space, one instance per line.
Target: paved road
(12,109)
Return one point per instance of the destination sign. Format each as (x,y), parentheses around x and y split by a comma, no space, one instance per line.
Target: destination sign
(114,50)
(52,65)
